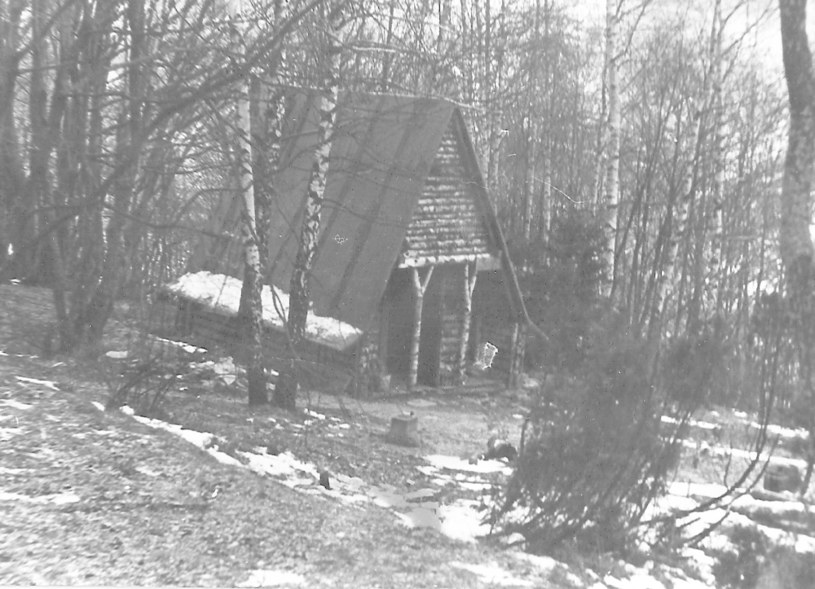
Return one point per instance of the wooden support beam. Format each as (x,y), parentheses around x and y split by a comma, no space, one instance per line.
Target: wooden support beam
(419,288)
(470,276)
(516,354)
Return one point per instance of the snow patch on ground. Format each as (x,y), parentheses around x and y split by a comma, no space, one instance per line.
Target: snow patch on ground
(204,441)
(704,425)
(222,294)
(6,433)
(283,466)
(45,383)
(272,578)
(459,464)
(492,574)
(55,499)
(740,453)
(15,404)
(462,521)
(785,433)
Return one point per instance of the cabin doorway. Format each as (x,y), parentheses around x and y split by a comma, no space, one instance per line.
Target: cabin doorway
(430,338)
(398,325)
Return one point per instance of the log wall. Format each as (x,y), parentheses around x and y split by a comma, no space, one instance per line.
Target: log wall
(321,367)
(447,221)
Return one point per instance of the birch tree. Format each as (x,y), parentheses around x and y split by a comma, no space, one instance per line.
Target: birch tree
(285,393)
(611,195)
(251,295)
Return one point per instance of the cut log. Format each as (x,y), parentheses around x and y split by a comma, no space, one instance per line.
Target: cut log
(404,430)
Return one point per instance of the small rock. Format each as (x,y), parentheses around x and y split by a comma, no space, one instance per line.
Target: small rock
(498,448)
(324,480)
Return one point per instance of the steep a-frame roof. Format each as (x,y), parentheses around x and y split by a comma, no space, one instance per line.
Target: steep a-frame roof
(382,151)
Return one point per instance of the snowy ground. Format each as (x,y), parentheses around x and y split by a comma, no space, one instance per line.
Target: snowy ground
(462,519)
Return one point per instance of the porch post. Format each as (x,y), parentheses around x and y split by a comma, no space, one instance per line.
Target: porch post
(419,287)
(516,357)
(470,276)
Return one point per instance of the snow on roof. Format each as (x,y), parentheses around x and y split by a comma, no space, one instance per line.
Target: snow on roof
(222,294)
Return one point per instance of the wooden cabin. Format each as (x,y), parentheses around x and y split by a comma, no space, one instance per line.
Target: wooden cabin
(410,250)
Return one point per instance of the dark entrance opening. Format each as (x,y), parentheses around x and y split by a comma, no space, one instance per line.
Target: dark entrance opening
(430,339)
(397,322)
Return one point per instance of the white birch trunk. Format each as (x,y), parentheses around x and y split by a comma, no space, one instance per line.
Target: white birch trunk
(470,276)
(419,288)
(718,269)
(612,164)
(531,173)
(546,180)
(299,295)
(252,276)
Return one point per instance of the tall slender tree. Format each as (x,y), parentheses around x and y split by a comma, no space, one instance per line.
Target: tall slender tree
(251,295)
(796,193)
(611,194)
(285,393)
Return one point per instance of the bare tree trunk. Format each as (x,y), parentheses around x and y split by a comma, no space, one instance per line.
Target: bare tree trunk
(685,200)
(516,354)
(44,134)
(113,268)
(719,245)
(252,274)
(531,172)
(532,129)
(611,198)
(13,217)
(419,288)
(387,58)
(470,276)
(285,393)
(711,91)
(549,80)
(251,312)
(443,78)
(796,191)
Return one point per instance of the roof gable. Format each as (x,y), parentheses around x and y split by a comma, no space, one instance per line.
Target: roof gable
(448,223)
(380,157)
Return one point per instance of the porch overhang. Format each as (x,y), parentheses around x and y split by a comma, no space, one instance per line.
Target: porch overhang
(483,262)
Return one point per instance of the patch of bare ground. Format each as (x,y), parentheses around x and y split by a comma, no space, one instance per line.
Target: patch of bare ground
(93,497)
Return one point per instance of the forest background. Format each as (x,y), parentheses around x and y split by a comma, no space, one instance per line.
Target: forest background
(642,141)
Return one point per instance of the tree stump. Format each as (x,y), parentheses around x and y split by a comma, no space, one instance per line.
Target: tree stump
(404,430)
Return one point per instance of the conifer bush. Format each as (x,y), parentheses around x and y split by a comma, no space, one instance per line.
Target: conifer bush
(592,457)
